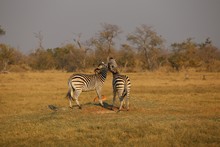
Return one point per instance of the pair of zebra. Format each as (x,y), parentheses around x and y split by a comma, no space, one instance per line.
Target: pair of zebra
(84,82)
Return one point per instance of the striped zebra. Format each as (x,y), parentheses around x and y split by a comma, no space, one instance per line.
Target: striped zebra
(121,85)
(83,82)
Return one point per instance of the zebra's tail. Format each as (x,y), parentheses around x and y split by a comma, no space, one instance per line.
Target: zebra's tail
(68,95)
(71,89)
(125,89)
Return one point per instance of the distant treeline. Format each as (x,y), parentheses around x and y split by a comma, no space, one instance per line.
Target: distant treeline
(143,50)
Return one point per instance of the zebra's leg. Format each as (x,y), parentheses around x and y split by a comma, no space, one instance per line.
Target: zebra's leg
(127,102)
(70,97)
(124,104)
(98,91)
(121,102)
(121,98)
(76,95)
(70,103)
(127,99)
(113,102)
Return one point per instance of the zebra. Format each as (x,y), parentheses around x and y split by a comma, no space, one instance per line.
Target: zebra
(78,83)
(121,84)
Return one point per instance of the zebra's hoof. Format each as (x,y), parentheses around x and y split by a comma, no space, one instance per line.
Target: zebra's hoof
(70,107)
(80,107)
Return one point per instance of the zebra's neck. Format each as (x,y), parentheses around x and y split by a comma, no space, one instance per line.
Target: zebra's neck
(103,74)
(115,73)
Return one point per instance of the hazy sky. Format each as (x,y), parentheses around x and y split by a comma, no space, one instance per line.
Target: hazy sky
(58,20)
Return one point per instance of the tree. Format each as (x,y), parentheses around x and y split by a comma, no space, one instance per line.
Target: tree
(184,55)
(6,54)
(104,41)
(84,47)
(209,56)
(109,33)
(69,58)
(59,55)
(39,36)
(2,32)
(126,57)
(9,56)
(42,59)
(149,44)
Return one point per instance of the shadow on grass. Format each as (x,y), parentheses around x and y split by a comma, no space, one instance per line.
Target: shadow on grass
(105,106)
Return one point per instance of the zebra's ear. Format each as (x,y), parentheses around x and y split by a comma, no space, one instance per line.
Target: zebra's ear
(109,58)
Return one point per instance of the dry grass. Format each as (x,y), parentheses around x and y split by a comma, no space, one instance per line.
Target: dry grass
(165,110)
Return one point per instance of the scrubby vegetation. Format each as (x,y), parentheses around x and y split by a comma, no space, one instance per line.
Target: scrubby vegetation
(143,51)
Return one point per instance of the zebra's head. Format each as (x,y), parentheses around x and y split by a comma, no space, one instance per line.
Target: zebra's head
(112,65)
(101,67)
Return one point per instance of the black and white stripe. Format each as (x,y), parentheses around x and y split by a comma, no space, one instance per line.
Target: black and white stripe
(121,85)
(83,82)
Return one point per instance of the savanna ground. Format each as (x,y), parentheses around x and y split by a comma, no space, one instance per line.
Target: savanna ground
(165,110)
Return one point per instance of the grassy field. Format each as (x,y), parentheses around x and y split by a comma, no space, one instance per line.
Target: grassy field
(165,110)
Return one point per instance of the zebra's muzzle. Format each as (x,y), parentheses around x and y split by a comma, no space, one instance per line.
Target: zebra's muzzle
(97,70)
